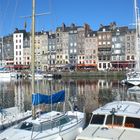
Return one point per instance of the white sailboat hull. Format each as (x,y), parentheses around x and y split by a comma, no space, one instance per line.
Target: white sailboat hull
(68,131)
(134,82)
(5,75)
(133,78)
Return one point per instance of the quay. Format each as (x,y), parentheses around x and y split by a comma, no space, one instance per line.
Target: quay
(94,74)
(82,74)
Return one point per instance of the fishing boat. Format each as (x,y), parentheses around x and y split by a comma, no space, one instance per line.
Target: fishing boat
(52,125)
(118,120)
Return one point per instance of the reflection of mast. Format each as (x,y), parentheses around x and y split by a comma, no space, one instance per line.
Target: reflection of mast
(33,54)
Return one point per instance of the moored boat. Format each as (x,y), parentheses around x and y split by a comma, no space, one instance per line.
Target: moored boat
(118,120)
(11,116)
(53,125)
(133,78)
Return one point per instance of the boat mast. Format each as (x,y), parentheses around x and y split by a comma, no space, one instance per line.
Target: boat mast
(33,54)
(137,45)
(2,52)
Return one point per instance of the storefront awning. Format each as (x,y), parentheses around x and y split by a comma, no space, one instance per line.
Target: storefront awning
(87,65)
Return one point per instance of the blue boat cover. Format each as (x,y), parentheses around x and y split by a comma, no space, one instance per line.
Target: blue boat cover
(38,98)
(2,68)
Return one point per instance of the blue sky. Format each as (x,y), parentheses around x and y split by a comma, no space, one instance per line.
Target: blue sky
(93,12)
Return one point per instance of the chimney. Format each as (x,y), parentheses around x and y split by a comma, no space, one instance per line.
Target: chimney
(63,27)
(86,27)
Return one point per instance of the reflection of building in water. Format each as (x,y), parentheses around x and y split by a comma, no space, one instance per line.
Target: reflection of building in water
(103,83)
(6,94)
(105,95)
(133,94)
(88,90)
(19,96)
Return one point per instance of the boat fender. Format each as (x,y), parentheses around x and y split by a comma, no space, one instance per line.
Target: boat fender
(75,108)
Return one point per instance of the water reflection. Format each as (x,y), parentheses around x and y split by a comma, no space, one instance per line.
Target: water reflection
(88,94)
(133,93)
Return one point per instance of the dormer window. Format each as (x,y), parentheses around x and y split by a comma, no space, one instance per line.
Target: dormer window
(104,30)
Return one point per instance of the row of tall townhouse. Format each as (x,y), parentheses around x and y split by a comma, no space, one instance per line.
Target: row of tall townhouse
(80,47)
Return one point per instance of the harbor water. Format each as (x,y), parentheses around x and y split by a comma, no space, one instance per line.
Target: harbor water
(86,93)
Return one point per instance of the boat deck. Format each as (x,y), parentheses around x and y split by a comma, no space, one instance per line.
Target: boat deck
(120,107)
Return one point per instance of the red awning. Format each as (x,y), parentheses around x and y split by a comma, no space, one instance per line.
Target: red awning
(87,65)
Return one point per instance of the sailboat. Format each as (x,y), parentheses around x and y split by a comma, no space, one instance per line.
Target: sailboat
(3,72)
(53,125)
(133,77)
(133,93)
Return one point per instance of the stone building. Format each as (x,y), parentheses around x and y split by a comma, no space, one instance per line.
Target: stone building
(118,60)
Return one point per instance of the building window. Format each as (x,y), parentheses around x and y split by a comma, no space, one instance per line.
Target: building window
(108,65)
(104,65)
(128,57)
(128,50)
(74,50)
(104,37)
(108,36)
(128,44)
(132,57)
(100,43)
(100,58)
(71,44)
(99,37)
(104,57)
(128,38)
(71,51)
(132,38)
